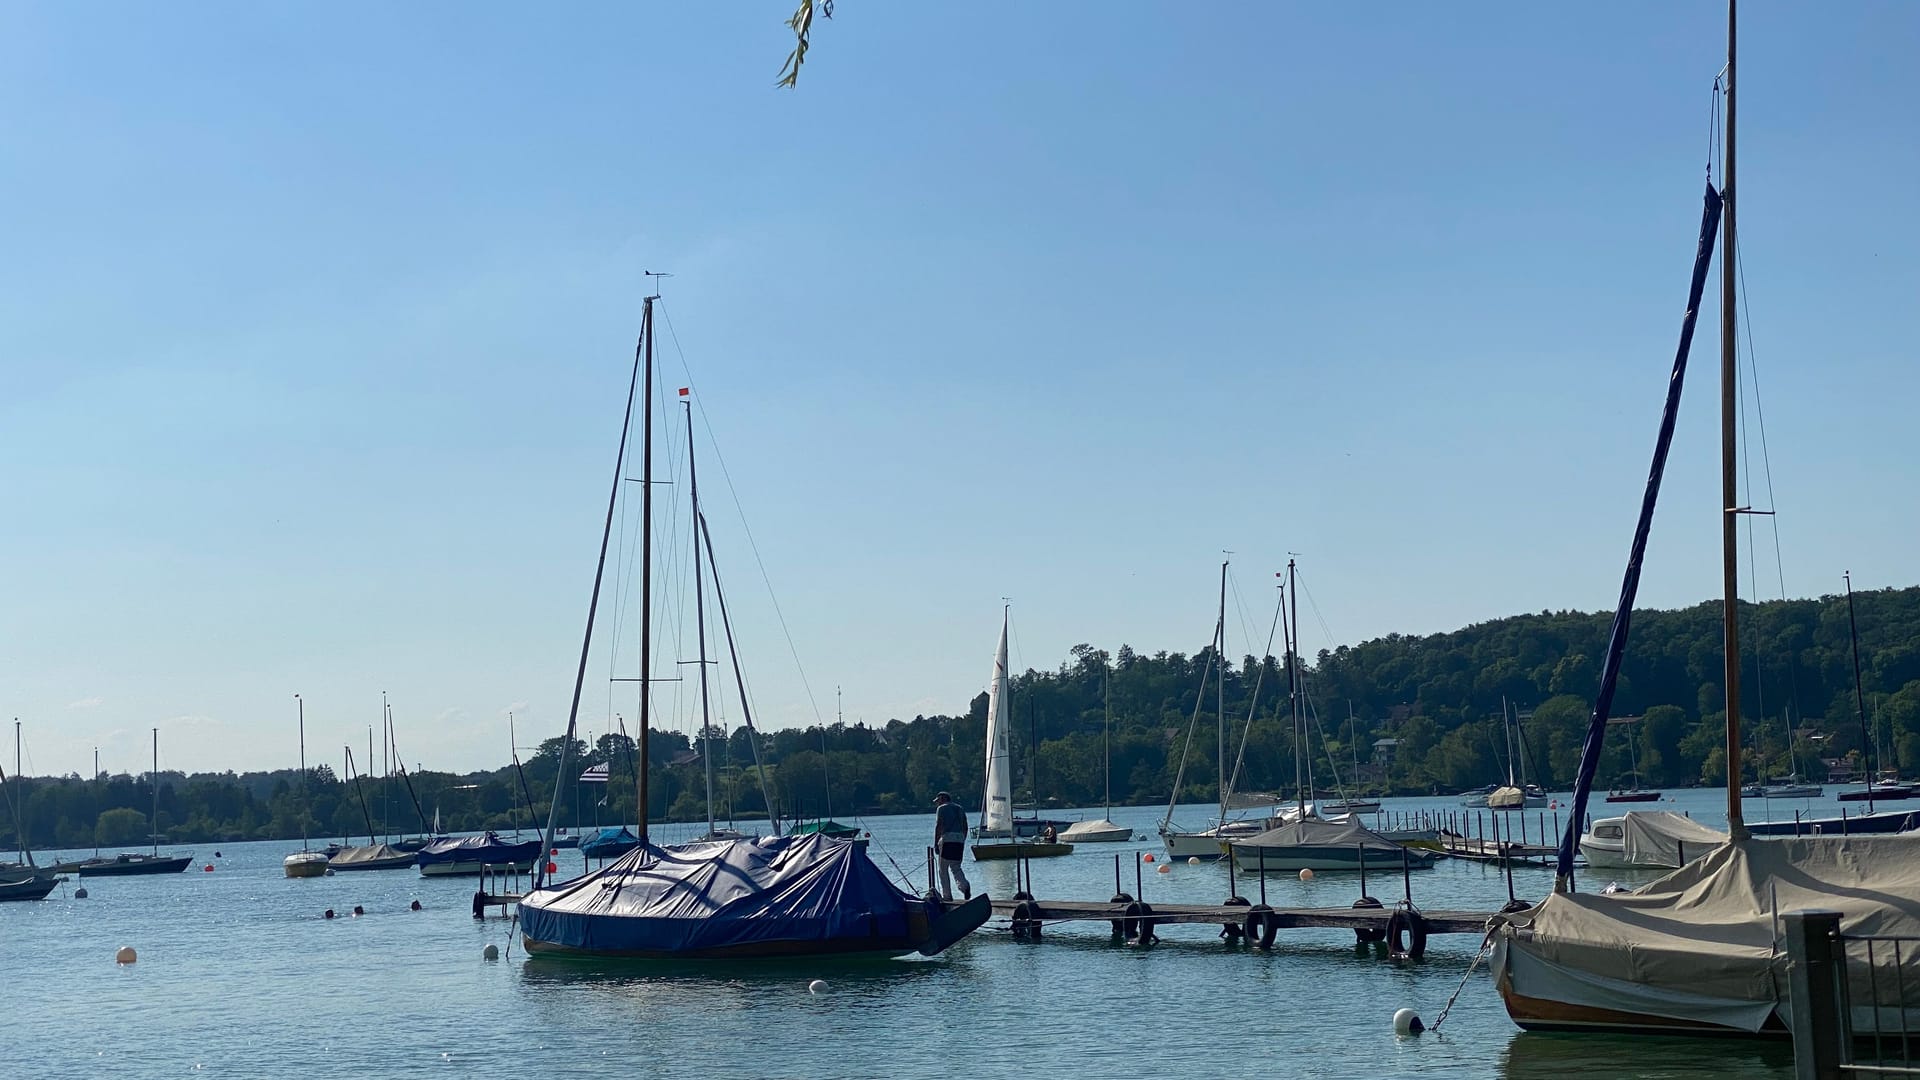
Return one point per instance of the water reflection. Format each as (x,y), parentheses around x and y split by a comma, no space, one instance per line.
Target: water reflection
(1554,1056)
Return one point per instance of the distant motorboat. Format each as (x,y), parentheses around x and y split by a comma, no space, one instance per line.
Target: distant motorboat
(1878,791)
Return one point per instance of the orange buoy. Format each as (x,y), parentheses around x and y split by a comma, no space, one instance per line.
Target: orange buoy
(553,868)
(1148,857)
(1165,869)
(208,868)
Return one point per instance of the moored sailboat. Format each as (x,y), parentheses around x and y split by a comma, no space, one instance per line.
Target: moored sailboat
(1700,951)
(778,896)
(996,831)
(129,864)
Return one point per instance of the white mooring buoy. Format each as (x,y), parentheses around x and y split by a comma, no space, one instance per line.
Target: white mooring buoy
(1193,860)
(1407,1022)
(817,986)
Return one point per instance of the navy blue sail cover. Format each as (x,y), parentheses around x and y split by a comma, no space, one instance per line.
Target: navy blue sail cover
(1630,582)
(723,896)
(609,843)
(478,849)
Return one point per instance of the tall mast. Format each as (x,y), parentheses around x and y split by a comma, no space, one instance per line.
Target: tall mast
(646,556)
(301,706)
(700,617)
(1220,688)
(1859,697)
(153,832)
(386,773)
(1729,489)
(1106,738)
(96,780)
(18,825)
(1292,644)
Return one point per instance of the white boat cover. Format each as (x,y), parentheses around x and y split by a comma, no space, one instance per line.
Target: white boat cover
(1664,838)
(1704,943)
(1082,831)
(1319,832)
(1506,798)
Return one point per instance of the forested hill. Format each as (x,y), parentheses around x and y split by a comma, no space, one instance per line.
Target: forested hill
(1404,714)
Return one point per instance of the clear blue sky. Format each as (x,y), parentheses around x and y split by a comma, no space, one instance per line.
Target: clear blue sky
(314,322)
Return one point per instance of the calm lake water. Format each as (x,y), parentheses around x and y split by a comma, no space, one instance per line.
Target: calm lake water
(240,976)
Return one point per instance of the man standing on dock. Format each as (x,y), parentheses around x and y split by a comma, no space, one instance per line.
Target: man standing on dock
(950,843)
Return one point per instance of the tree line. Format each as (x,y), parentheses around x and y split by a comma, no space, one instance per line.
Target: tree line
(1395,715)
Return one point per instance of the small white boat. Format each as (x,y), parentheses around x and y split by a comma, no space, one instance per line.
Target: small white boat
(1101,831)
(1648,840)
(305,864)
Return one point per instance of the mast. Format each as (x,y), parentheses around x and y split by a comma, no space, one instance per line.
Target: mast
(299,705)
(646,557)
(1729,489)
(826,771)
(1292,644)
(154,831)
(1220,689)
(96,780)
(386,773)
(700,617)
(996,803)
(739,678)
(1859,697)
(20,826)
(1106,740)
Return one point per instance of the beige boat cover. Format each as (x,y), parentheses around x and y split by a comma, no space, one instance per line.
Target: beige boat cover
(1506,798)
(1664,838)
(1704,943)
(1319,832)
(365,854)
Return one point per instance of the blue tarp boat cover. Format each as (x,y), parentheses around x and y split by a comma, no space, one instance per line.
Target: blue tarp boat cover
(478,849)
(609,843)
(777,894)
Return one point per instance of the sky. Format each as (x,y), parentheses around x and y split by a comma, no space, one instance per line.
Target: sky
(316,321)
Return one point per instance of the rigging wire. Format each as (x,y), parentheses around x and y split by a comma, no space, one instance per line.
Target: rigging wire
(752,544)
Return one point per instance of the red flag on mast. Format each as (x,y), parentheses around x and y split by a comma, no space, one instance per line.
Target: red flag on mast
(683,391)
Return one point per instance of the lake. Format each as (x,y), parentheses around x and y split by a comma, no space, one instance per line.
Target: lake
(238,975)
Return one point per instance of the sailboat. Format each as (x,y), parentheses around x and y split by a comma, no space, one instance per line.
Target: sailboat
(127,864)
(826,826)
(1635,793)
(306,862)
(996,828)
(731,899)
(1517,794)
(376,855)
(1700,951)
(1209,843)
(22,880)
(1103,831)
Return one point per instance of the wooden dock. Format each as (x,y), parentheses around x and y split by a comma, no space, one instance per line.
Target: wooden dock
(1506,852)
(1402,928)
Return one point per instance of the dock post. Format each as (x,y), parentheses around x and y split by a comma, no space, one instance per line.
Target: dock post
(1139,889)
(930,857)
(1523,831)
(1556,826)
(1263,876)
(1406,874)
(1116,873)
(1233,891)
(1510,896)
(1814,985)
(1363,871)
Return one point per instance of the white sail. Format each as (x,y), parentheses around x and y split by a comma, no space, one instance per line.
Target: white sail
(996,815)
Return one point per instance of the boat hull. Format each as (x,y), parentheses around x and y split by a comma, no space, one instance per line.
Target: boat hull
(1256,859)
(474,869)
(129,866)
(1633,796)
(1897,821)
(305,864)
(1113,835)
(1019,849)
(926,933)
(398,862)
(33,886)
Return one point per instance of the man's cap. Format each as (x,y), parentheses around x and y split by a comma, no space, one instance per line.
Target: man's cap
(943,796)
